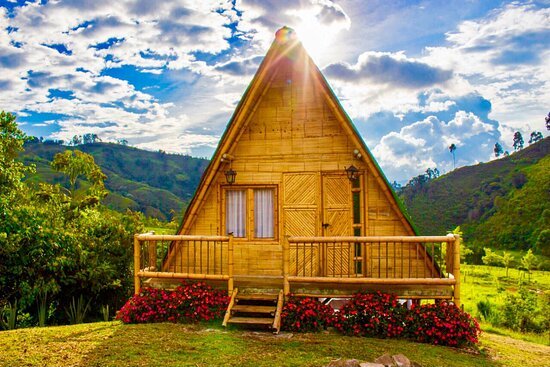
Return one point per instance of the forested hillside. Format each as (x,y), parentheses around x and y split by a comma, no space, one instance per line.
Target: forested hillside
(502,204)
(155,183)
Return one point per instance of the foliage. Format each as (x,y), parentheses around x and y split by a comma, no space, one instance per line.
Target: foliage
(498,149)
(452,150)
(372,314)
(76,164)
(528,262)
(485,309)
(442,324)
(8,316)
(11,144)
(54,246)
(137,179)
(77,310)
(522,312)
(500,204)
(189,302)
(306,314)
(518,141)
(535,136)
(492,258)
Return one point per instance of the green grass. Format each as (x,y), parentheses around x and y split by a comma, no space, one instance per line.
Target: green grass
(115,344)
(489,283)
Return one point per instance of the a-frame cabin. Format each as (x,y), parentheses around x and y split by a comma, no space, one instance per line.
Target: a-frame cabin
(293,200)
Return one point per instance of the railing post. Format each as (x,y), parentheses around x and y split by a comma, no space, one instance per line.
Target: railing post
(230,284)
(137,260)
(152,255)
(456,269)
(450,255)
(286,266)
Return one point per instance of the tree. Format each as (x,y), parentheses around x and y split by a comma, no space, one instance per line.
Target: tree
(547,119)
(507,259)
(528,262)
(535,136)
(76,140)
(77,164)
(432,173)
(452,149)
(491,258)
(498,149)
(518,141)
(11,144)
(396,186)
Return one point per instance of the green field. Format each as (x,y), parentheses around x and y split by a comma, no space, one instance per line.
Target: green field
(115,344)
(489,283)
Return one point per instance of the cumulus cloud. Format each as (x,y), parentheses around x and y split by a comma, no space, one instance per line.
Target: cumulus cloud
(424,144)
(387,68)
(241,67)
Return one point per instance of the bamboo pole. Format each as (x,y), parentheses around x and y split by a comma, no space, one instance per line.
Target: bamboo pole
(157,274)
(372,239)
(156,237)
(286,266)
(456,269)
(391,281)
(230,307)
(152,254)
(230,281)
(137,281)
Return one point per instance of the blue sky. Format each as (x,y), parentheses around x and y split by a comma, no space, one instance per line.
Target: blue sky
(415,76)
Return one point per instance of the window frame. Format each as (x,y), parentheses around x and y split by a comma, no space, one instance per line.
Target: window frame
(250,211)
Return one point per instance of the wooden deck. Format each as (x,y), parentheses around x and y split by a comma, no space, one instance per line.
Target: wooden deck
(411,267)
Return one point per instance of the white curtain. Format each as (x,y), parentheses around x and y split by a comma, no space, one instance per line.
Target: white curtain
(263,213)
(236,212)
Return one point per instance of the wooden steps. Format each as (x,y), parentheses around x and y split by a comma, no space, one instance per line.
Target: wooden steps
(255,309)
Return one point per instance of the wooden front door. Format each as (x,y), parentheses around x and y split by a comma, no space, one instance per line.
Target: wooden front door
(337,221)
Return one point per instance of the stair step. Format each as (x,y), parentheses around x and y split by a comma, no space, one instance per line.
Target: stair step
(253,308)
(251,320)
(257,297)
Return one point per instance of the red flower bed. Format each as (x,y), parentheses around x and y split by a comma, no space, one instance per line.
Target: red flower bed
(372,314)
(305,314)
(190,302)
(442,324)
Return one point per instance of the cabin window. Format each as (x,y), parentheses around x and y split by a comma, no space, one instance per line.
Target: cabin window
(263,213)
(250,212)
(236,212)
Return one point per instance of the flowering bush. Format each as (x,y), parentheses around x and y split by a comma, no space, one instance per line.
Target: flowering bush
(443,324)
(372,314)
(189,302)
(304,314)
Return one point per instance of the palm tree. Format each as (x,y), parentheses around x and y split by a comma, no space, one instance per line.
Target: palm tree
(452,149)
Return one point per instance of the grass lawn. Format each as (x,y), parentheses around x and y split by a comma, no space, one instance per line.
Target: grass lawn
(115,344)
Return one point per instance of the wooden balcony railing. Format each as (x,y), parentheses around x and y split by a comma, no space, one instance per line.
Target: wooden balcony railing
(183,257)
(389,260)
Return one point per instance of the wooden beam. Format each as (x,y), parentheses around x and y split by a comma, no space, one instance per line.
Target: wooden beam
(156,237)
(154,274)
(372,239)
(385,281)
(137,260)
(456,270)
(229,307)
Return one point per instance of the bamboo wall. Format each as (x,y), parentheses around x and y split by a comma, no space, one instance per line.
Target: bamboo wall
(292,139)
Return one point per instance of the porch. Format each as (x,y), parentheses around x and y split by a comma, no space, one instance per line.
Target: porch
(412,267)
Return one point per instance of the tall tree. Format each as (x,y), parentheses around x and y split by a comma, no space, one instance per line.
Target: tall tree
(535,136)
(529,261)
(518,141)
(452,149)
(547,119)
(498,149)
(76,165)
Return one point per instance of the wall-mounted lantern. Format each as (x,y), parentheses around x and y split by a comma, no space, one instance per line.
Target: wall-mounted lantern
(230,176)
(352,172)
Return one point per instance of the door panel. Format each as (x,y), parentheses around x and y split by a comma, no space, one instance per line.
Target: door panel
(337,218)
(301,218)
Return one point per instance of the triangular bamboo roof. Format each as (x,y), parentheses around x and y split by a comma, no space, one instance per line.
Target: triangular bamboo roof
(285,45)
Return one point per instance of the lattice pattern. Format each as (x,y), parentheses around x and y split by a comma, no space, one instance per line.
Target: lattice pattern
(300,189)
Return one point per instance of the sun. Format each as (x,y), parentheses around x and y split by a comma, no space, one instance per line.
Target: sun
(315,36)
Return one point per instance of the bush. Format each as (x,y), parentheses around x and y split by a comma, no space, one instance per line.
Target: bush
(443,324)
(372,314)
(306,314)
(190,302)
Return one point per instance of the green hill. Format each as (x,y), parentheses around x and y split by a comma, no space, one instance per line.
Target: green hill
(502,204)
(154,183)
